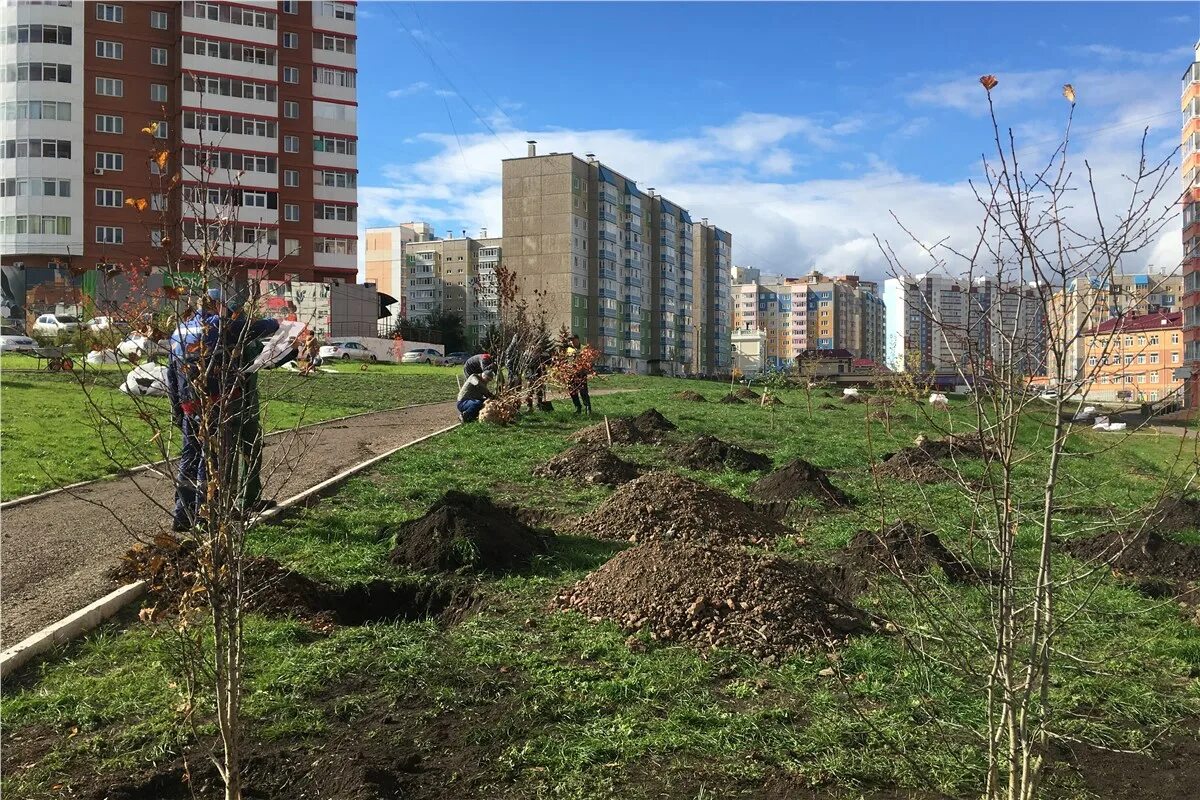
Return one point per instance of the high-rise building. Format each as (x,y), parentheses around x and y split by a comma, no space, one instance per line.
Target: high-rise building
(940,324)
(455,275)
(625,269)
(813,312)
(385,257)
(1087,302)
(1191,229)
(253,102)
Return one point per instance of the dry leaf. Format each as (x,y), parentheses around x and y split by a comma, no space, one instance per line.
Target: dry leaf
(1069,93)
(989,82)
(161,159)
(150,129)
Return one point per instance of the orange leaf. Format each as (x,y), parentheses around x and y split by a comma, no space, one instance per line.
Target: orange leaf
(1069,93)
(161,159)
(150,129)
(989,82)
(141,204)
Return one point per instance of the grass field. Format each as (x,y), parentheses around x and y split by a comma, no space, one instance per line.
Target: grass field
(517,701)
(52,436)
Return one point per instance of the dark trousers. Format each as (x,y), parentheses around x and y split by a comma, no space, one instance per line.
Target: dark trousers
(581,394)
(469,409)
(249,461)
(192,473)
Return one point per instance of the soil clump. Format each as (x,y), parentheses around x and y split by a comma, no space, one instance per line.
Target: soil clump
(649,427)
(901,549)
(797,479)
(1145,553)
(767,606)
(746,393)
(690,396)
(467,532)
(664,506)
(921,463)
(710,453)
(732,400)
(588,463)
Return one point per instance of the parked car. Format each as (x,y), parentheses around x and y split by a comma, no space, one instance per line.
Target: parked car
(13,341)
(346,351)
(55,324)
(423,355)
(456,359)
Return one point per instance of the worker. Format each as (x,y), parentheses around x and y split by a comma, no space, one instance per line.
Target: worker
(578,382)
(477,364)
(203,383)
(246,416)
(472,395)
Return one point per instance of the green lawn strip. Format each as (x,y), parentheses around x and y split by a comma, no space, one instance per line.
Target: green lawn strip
(61,428)
(583,715)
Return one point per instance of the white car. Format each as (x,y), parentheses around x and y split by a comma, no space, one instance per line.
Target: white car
(55,324)
(423,355)
(13,341)
(346,351)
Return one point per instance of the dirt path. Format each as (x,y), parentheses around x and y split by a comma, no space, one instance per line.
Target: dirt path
(56,550)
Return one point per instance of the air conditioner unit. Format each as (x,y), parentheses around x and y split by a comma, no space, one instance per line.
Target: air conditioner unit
(98,171)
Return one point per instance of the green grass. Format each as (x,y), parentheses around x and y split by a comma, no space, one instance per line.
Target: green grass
(564,708)
(52,432)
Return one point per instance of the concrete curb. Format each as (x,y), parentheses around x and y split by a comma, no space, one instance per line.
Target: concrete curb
(88,617)
(29,498)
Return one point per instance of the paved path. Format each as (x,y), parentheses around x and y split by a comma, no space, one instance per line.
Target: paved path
(57,549)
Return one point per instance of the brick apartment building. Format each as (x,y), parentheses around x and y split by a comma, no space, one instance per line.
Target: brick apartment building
(255,103)
(1133,358)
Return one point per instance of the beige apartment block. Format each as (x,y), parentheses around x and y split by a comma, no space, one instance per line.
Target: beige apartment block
(453,276)
(625,269)
(811,312)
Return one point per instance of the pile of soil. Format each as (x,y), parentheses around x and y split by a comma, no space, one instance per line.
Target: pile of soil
(680,592)
(649,427)
(467,532)
(732,399)
(664,506)
(921,463)
(746,393)
(690,396)
(852,398)
(1176,515)
(710,453)
(1145,553)
(169,567)
(902,549)
(829,407)
(588,463)
(797,479)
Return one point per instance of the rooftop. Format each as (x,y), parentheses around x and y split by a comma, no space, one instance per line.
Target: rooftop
(1154,321)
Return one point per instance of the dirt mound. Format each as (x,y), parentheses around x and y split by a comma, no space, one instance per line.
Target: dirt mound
(169,567)
(772,400)
(649,427)
(467,532)
(732,399)
(665,506)
(797,479)
(852,398)
(1176,515)
(746,393)
(830,407)
(901,549)
(1145,553)
(921,462)
(680,592)
(690,396)
(710,453)
(588,463)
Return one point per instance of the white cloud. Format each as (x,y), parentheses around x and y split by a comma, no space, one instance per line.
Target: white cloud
(748,176)
(413,88)
(1111,53)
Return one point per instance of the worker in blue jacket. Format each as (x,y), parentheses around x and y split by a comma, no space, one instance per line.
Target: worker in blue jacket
(205,381)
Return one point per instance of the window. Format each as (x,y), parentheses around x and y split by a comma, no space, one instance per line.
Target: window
(159,20)
(106,123)
(291,247)
(158,92)
(291,109)
(334,77)
(35,109)
(254,199)
(110,198)
(109,13)
(1154,377)
(291,177)
(1174,338)
(1128,359)
(337,10)
(156,237)
(105,49)
(335,144)
(106,234)
(35,187)
(158,202)
(291,212)
(291,144)
(158,56)
(336,213)
(291,40)
(110,161)
(36,71)
(340,180)
(291,75)
(291,6)
(110,87)
(1141,359)
(336,44)
(161,130)
(1174,358)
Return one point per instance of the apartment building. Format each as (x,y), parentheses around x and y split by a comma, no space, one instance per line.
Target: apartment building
(455,275)
(812,312)
(1134,358)
(385,257)
(1190,170)
(1086,302)
(253,102)
(627,270)
(943,325)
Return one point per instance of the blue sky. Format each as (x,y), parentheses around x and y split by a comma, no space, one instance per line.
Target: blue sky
(798,127)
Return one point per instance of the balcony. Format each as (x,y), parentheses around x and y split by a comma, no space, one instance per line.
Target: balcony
(635,247)
(607,216)
(608,236)
(608,273)
(635,282)
(606,254)
(611,294)
(607,194)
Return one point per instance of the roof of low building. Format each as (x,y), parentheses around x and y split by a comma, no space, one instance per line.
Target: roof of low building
(839,353)
(1133,323)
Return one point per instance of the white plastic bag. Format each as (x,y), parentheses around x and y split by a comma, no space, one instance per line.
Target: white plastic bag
(146,380)
(97,357)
